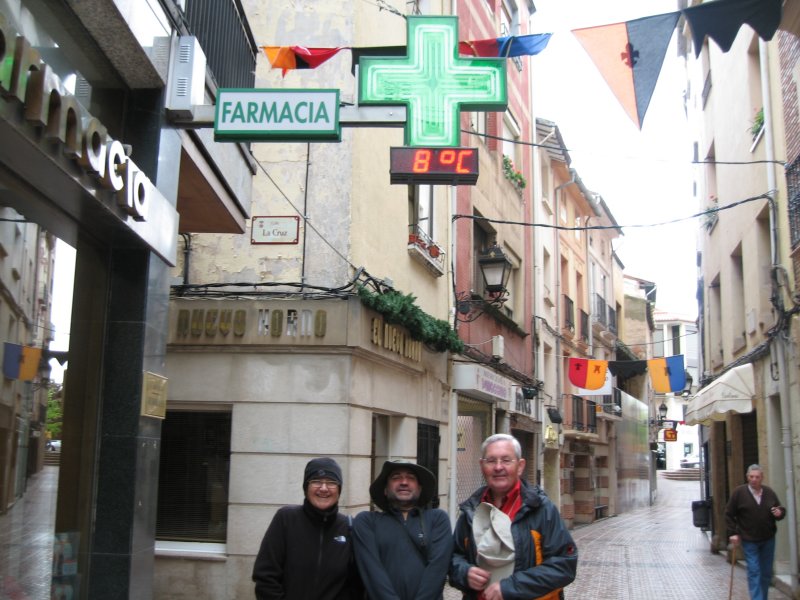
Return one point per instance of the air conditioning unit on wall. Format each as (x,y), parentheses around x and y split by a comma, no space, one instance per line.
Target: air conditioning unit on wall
(498,347)
(186,84)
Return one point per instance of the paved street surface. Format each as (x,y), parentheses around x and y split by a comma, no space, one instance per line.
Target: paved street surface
(652,553)
(649,553)
(26,540)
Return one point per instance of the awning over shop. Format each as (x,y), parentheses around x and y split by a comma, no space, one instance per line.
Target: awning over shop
(733,392)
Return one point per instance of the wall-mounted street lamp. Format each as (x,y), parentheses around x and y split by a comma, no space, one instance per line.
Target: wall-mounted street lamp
(687,389)
(495,269)
(662,415)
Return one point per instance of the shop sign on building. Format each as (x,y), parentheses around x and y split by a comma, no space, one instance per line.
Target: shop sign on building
(482,383)
(277,115)
(103,165)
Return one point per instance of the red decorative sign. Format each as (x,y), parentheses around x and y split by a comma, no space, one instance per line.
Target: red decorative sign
(670,435)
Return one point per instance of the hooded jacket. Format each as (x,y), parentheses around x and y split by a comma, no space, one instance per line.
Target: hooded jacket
(307,554)
(403,558)
(546,558)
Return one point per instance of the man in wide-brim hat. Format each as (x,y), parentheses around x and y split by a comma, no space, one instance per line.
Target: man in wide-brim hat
(404,550)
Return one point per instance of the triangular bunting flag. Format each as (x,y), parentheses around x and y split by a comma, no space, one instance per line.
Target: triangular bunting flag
(629,57)
(288,58)
(721,20)
(506,47)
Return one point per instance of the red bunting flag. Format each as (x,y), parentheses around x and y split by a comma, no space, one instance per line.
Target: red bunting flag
(297,57)
(587,374)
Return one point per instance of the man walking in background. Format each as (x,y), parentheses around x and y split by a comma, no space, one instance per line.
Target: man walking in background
(751,516)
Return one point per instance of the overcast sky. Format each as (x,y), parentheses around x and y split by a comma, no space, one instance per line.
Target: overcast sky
(644,177)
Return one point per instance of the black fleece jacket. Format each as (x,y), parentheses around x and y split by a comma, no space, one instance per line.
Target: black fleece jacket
(307,554)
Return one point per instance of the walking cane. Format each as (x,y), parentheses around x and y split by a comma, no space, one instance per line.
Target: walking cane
(733,564)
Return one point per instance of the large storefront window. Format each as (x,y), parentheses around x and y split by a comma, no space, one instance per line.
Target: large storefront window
(193,478)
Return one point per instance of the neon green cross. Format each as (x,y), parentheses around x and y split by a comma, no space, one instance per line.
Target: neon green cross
(433,82)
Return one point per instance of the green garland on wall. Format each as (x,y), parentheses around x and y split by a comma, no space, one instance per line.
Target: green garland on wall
(401,309)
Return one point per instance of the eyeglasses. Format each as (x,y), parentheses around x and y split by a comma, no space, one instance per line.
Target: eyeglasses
(318,483)
(505,461)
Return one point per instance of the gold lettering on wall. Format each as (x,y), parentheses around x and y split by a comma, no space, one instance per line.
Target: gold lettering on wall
(225,318)
(395,340)
(288,326)
(197,322)
(321,323)
(239,322)
(276,323)
(183,323)
(376,332)
(211,322)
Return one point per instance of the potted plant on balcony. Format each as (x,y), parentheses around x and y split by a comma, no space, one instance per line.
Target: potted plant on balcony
(513,175)
(434,251)
(417,240)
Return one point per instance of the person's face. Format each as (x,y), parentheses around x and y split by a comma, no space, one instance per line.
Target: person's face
(323,494)
(402,489)
(501,467)
(754,479)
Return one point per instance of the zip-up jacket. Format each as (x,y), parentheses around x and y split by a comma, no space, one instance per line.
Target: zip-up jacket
(546,558)
(306,554)
(403,559)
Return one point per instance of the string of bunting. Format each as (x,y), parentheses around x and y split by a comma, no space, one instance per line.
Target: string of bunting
(629,55)
(667,374)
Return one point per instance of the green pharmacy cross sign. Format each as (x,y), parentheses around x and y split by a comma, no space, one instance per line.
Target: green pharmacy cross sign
(433,82)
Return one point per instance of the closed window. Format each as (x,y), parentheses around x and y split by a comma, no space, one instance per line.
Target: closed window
(193,477)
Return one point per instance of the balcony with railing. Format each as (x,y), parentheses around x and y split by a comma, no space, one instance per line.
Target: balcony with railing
(583,334)
(600,310)
(612,320)
(610,405)
(216,180)
(568,326)
(582,419)
(224,33)
(425,251)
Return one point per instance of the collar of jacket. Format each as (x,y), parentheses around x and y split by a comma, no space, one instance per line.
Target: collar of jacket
(531,498)
(322,517)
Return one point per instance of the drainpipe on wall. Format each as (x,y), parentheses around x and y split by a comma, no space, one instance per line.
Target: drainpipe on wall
(781,339)
(451,504)
(557,247)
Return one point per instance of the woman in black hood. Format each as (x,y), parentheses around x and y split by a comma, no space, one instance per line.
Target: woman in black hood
(307,552)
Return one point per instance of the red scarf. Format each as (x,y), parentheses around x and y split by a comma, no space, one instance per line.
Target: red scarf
(511,503)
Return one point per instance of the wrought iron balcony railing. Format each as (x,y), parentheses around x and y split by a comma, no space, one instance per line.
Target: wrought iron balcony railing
(224,33)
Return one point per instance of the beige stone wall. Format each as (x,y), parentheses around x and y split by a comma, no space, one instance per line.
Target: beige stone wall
(291,402)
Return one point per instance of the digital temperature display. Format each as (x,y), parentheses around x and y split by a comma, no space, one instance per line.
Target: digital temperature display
(452,166)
